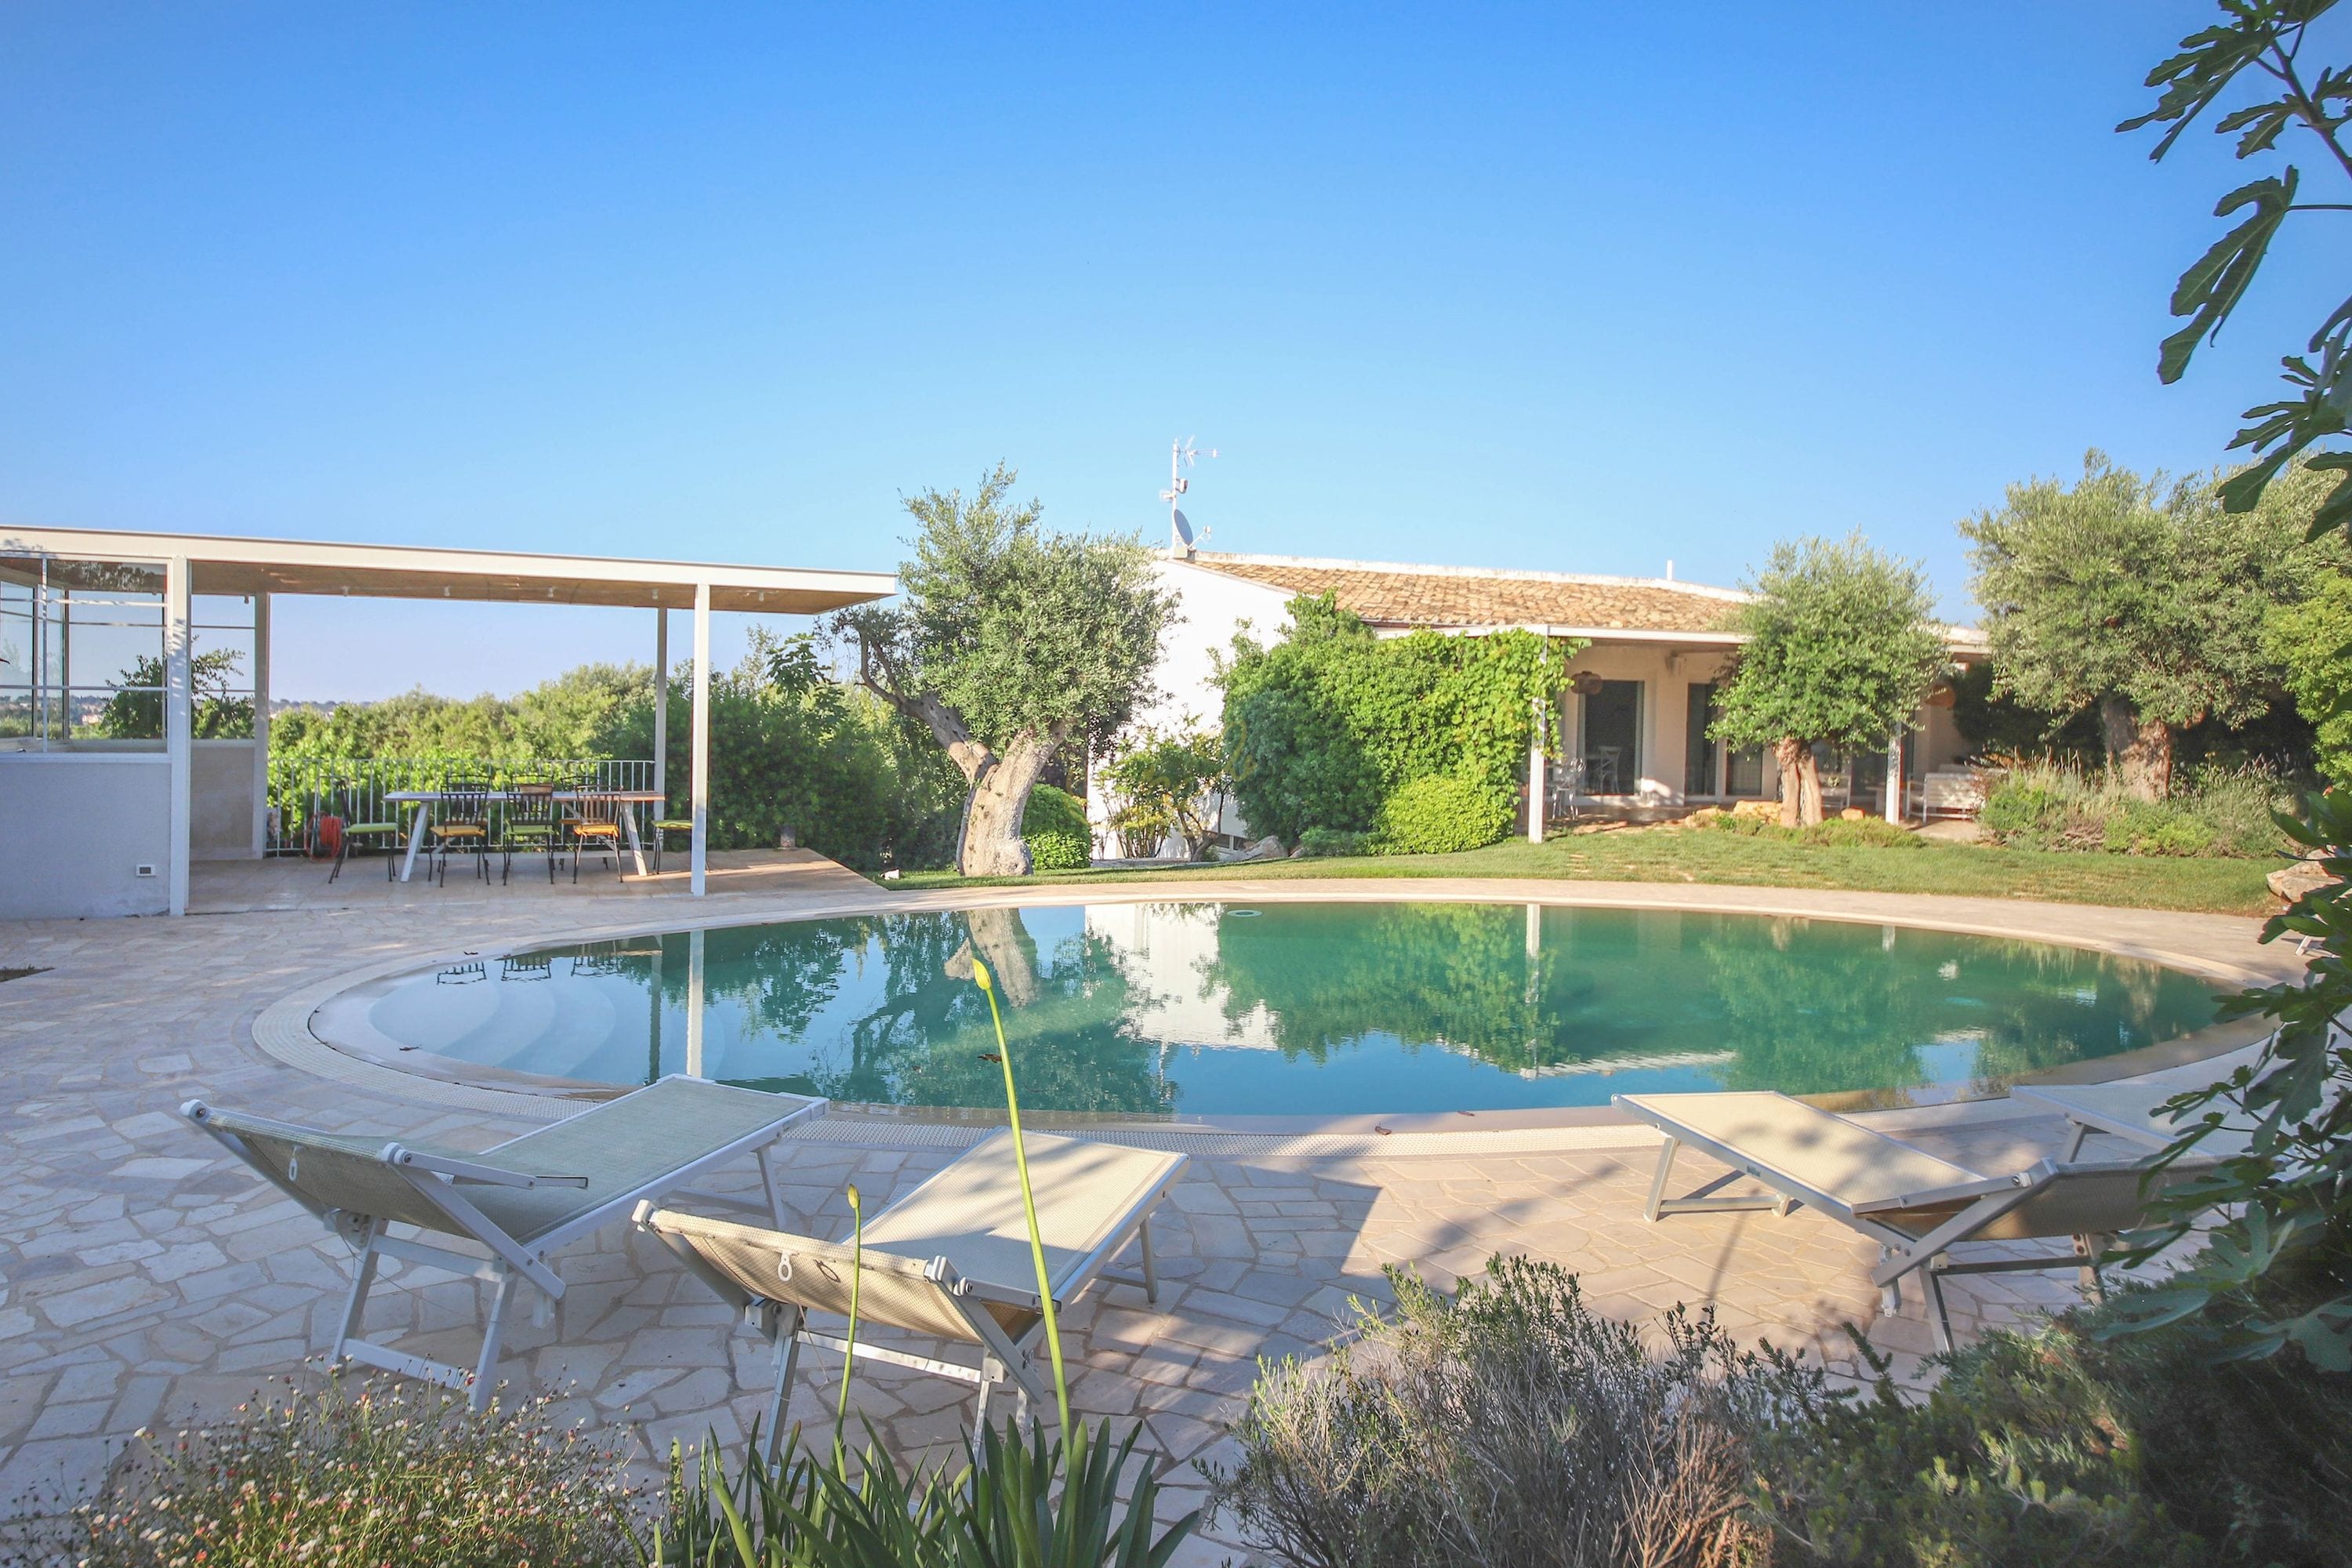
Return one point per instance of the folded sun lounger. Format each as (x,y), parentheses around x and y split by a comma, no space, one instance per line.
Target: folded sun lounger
(950,1260)
(1915,1206)
(520,1200)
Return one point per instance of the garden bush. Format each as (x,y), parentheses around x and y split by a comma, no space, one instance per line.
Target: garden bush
(2216,812)
(2058,1445)
(1059,850)
(1052,810)
(1323,727)
(1440,815)
(396,1474)
(1509,1424)
(1320,842)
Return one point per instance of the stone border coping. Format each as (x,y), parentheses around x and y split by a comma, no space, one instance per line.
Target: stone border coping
(282,1029)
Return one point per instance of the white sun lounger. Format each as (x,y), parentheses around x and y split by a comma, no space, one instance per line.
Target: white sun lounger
(950,1260)
(520,1200)
(2131,1112)
(1915,1206)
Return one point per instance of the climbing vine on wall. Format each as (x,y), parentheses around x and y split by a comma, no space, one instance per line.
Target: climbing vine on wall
(1323,726)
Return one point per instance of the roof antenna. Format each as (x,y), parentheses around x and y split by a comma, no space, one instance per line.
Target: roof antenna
(1182,455)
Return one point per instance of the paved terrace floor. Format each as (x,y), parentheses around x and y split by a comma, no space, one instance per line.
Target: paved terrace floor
(144,1278)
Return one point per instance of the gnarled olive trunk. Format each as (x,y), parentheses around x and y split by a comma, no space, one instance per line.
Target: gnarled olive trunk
(2139,749)
(1801,784)
(992,845)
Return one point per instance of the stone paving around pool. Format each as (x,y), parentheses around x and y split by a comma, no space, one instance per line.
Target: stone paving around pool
(150,1280)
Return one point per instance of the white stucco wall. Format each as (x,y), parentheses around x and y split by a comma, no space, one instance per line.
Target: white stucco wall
(74,829)
(1211,607)
(221,816)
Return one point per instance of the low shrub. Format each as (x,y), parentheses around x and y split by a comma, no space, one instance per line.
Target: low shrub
(1440,815)
(1052,810)
(1509,1424)
(1320,842)
(2057,1446)
(1059,850)
(2212,811)
(394,1474)
(1013,1505)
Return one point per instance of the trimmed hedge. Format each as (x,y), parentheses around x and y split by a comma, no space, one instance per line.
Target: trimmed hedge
(1440,815)
(1059,850)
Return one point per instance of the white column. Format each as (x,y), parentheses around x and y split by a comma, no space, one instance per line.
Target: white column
(64,665)
(260,725)
(1535,776)
(179,726)
(1894,778)
(694,989)
(700,857)
(661,706)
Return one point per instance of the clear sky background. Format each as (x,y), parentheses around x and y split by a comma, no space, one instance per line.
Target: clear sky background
(1570,287)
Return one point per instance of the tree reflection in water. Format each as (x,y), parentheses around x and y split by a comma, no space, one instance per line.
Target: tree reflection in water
(1311,1007)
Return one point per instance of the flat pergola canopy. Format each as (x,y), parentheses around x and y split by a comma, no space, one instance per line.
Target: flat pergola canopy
(177,567)
(220,564)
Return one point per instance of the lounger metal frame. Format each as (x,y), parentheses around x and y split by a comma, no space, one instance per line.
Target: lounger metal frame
(1984,1201)
(1004,1359)
(438,1179)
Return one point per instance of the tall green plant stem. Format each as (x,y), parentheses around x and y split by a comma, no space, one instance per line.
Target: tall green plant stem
(1028,1199)
(850,1352)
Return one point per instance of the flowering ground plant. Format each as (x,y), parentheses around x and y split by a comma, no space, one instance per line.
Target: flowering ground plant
(392,1473)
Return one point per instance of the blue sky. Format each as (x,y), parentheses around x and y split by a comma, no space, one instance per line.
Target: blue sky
(1567,286)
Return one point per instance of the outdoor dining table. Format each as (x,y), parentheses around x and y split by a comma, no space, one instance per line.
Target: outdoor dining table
(423,799)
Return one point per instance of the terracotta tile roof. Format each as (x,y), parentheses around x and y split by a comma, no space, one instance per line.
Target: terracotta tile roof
(1453,596)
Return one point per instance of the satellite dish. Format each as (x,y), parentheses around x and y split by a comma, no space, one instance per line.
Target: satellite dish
(1183,527)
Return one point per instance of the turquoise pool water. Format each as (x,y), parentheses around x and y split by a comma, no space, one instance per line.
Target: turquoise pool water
(1290,1008)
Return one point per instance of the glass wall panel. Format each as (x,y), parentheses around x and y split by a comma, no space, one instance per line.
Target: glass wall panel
(82,655)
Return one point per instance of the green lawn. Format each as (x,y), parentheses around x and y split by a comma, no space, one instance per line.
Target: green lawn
(2228,887)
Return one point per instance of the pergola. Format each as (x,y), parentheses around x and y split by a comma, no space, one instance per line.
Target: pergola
(262,568)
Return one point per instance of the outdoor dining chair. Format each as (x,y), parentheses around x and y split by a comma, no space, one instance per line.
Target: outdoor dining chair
(951,1261)
(532,825)
(663,827)
(385,834)
(1916,1206)
(462,822)
(519,1201)
(595,824)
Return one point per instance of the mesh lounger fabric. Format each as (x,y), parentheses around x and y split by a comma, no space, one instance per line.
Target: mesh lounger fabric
(2134,1105)
(814,1275)
(1807,1147)
(971,1215)
(620,1146)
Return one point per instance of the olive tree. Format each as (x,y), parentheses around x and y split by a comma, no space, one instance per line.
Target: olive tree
(1841,650)
(2298,100)
(1007,643)
(2145,601)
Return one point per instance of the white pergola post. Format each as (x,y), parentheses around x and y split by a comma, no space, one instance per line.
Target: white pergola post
(260,725)
(698,862)
(179,727)
(1894,778)
(1535,776)
(661,706)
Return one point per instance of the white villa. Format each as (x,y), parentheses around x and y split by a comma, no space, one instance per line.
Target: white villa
(1635,719)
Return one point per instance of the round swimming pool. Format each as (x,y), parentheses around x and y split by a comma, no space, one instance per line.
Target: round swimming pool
(1218,1009)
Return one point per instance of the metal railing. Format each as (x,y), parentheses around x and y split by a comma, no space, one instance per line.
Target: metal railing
(303,789)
